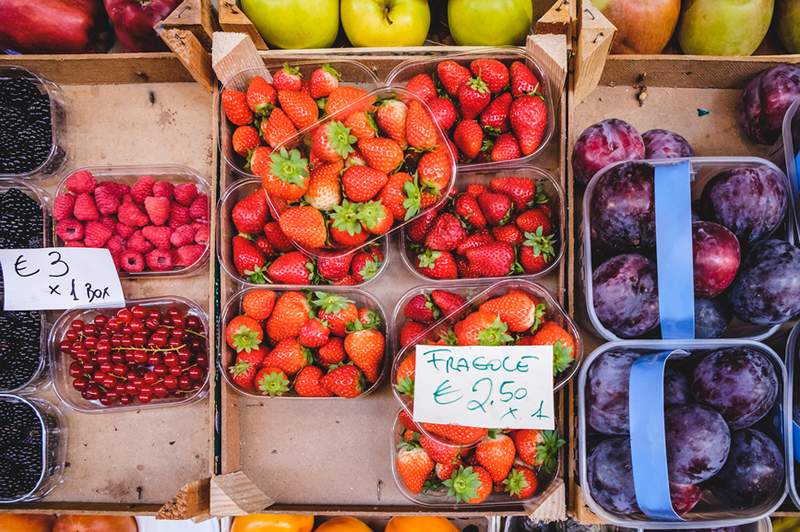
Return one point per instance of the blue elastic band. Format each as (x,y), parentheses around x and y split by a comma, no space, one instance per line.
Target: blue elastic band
(674,255)
(796,441)
(796,176)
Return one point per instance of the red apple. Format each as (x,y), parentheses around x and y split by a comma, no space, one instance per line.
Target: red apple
(643,26)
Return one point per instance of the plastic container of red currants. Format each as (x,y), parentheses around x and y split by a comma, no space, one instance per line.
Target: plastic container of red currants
(791,150)
(792,347)
(724,430)
(407,70)
(152,353)
(738,247)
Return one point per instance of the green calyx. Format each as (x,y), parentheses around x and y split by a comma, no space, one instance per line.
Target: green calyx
(405,386)
(539,312)
(562,357)
(449,336)
(547,450)
(463,485)
(413,202)
(332,71)
(516,482)
(429,258)
(478,84)
(373,320)
(347,217)
(257,275)
(369,270)
(245,339)
(340,139)
(371,213)
(273,384)
(540,197)
(542,244)
(495,334)
(292,70)
(330,303)
(240,368)
(290,167)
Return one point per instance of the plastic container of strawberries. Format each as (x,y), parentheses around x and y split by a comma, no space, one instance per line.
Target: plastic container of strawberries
(173,173)
(467,176)
(226,231)
(361,298)
(59,362)
(406,70)
(352,72)
(477,293)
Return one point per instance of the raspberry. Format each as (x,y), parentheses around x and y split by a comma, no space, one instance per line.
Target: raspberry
(199,208)
(115,244)
(137,242)
(157,208)
(62,206)
(96,235)
(125,231)
(84,208)
(276,237)
(81,181)
(74,244)
(131,261)
(158,235)
(188,255)
(182,235)
(118,189)
(185,193)
(109,222)
(69,230)
(107,201)
(130,214)
(163,189)
(142,188)
(178,216)
(201,235)
(159,260)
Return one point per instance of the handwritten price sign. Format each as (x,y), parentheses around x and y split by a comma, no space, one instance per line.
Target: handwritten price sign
(482,386)
(59,278)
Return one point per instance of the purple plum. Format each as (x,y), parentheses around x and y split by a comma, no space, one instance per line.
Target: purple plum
(684,497)
(610,476)
(749,200)
(739,382)
(604,143)
(754,472)
(664,144)
(765,100)
(676,388)
(622,207)
(625,293)
(698,440)
(767,289)
(711,318)
(716,258)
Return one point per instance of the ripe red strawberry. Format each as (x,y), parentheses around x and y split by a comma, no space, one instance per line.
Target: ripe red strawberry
(351,236)
(314,333)
(437,265)
(243,333)
(336,310)
(396,198)
(422,86)
(95,235)
(447,302)
(304,225)
(277,129)
(288,78)
(495,259)
(307,383)
(482,328)
(301,108)
(243,374)
(158,209)
(515,308)
(365,347)
(473,97)
(332,141)
(276,238)
(290,312)
(491,71)
(452,75)
(528,116)
(466,207)
(522,190)
(475,189)
(414,466)
(538,448)
(271,381)
(505,148)
(85,208)
(420,129)
(244,140)
(375,217)
(435,171)
(421,308)
(259,160)
(418,229)
(362,125)
(468,136)
(439,452)
(344,381)
(289,356)
(345,96)
(444,112)
(82,182)
(550,333)
(159,236)
(474,240)
(507,233)
(446,471)
(287,177)
(537,251)
(332,352)
(521,483)
(258,304)
(531,220)
(496,454)
(234,104)
(63,205)
(494,119)
(382,154)
(323,80)
(410,332)
(293,267)
(261,96)
(334,268)
(496,207)
(248,260)
(445,234)
(391,118)
(362,183)
(456,434)
(523,80)
(250,213)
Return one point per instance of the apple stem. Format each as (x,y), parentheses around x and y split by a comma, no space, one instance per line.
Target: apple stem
(386,10)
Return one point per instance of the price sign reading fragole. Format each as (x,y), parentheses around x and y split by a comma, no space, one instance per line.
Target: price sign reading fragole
(485,386)
(59,278)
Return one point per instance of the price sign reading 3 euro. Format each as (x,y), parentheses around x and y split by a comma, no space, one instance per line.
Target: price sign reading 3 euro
(485,386)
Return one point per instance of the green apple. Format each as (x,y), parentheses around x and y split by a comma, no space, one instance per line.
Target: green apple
(788,18)
(724,27)
(386,22)
(294,24)
(489,22)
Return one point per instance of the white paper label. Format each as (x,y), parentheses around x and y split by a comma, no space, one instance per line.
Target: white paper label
(59,278)
(481,386)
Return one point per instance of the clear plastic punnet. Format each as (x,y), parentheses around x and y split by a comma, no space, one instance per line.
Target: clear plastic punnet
(791,359)
(791,151)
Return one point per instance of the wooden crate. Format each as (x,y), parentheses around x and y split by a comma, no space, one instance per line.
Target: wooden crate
(694,96)
(135,109)
(272,451)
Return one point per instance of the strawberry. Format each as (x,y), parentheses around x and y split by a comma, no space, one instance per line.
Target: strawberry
(444,112)
(505,148)
(482,328)
(313,333)
(369,318)
(248,260)
(346,96)
(362,183)
(422,86)
(254,356)
(288,78)
(471,484)
(447,302)
(410,332)
(466,207)
(259,160)
(301,108)
(323,80)
(421,308)
(521,483)
(348,237)
(85,208)
(271,381)
(473,97)
(496,207)
(63,205)
(404,378)
(332,141)
(538,448)
(375,217)
(435,171)
(452,75)
(304,225)
(407,421)
(287,177)
(391,118)
(521,190)
(258,303)
(82,181)
(528,116)
(365,347)
(244,140)
(323,187)
(250,213)
(437,265)
(260,95)
(243,333)
(439,452)
(456,434)
(344,381)
(537,251)
(534,219)
(551,333)
(468,136)
(158,236)
(290,312)
(276,238)
(293,267)
(362,125)
(421,131)
(384,155)
(234,104)
(494,119)
(523,80)
(332,352)
(445,234)
(446,471)
(507,233)
(396,198)
(414,466)
(289,356)
(243,374)
(347,280)
(307,383)
(495,259)
(496,454)
(277,129)
(418,229)
(334,268)
(494,73)
(336,310)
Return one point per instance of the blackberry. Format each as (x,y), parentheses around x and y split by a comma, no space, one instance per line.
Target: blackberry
(26,123)
(20,348)
(21,452)
(21,220)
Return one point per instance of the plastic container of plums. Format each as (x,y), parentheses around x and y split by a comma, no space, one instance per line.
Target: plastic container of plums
(680,434)
(791,151)
(717,246)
